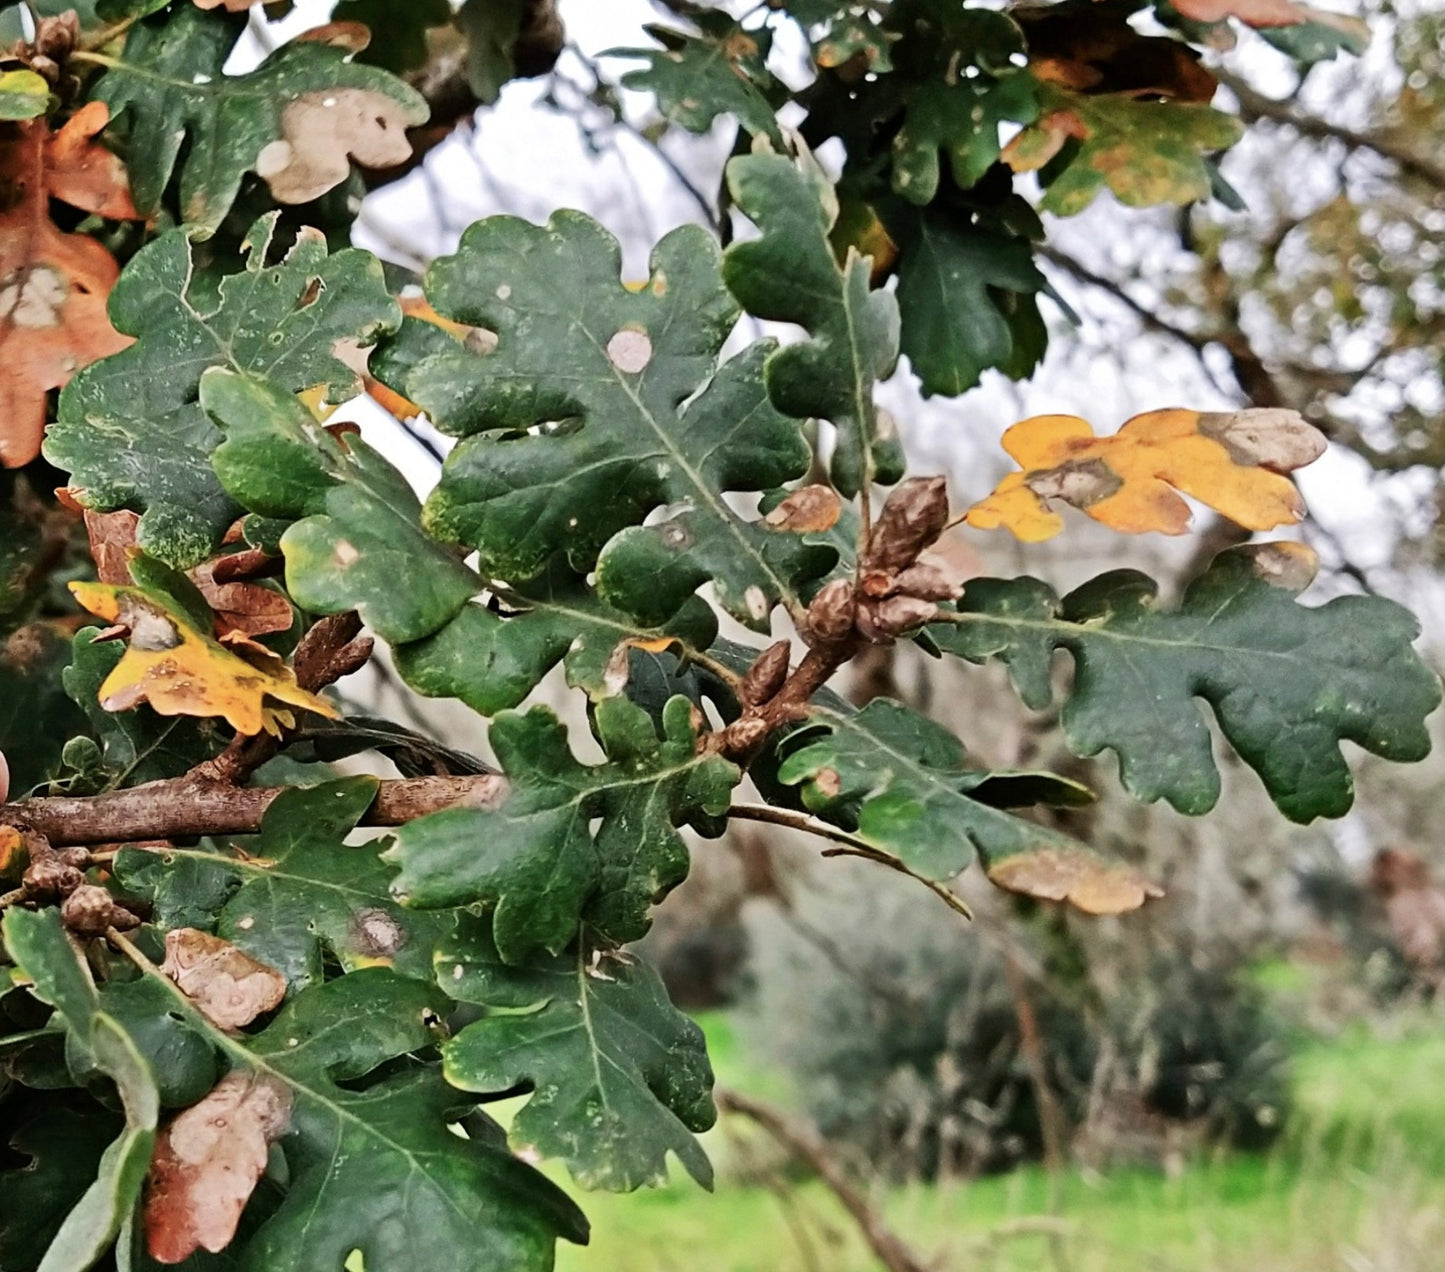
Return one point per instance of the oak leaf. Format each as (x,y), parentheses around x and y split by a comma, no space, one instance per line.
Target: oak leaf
(206,1164)
(1233,462)
(53,285)
(180,671)
(239,605)
(228,986)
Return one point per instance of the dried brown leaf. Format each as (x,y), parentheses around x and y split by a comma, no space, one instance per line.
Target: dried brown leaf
(1084,879)
(53,288)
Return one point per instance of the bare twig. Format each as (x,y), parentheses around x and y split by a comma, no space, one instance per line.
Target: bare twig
(1254,105)
(805,1143)
(849,845)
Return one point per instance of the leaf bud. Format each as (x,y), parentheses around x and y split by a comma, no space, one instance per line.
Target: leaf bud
(912,518)
(765,677)
(830,616)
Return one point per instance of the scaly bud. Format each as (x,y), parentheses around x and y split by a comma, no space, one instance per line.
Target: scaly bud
(913,517)
(830,616)
(765,677)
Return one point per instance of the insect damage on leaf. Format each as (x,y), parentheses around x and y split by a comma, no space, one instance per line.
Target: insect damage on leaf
(53,285)
(229,986)
(207,1162)
(179,670)
(1233,462)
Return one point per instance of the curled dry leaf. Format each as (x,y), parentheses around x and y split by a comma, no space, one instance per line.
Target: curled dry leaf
(1084,879)
(4,795)
(228,986)
(1231,462)
(53,285)
(180,671)
(321,130)
(206,1164)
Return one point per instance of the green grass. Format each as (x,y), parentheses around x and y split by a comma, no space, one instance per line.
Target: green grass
(1357,1185)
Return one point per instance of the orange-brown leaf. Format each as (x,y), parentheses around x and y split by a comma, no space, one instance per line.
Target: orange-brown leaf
(1232,462)
(180,671)
(1084,879)
(206,1164)
(83,173)
(53,285)
(228,986)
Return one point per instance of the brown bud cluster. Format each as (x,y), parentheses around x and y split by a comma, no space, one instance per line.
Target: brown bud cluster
(898,584)
(58,874)
(91,911)
(55,39)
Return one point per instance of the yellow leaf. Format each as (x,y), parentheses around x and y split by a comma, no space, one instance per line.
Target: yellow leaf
(181,671)
(1230,461)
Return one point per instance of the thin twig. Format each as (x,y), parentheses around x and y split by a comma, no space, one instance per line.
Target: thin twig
(849,846)
(804,1142)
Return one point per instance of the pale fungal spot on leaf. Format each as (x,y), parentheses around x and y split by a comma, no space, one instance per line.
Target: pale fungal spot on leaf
(247,923)
(320,132)
(504,292)
(829,784)
(1267,437)
(345,554)
(756,601)
(32,298)
(228,986)
(630,350)
(1080,484)
(207,1162)
(1288,565)
(375,934)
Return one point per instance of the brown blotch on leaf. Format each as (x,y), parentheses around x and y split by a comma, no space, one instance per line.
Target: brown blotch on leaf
(227,985)
(321,131)
(809,510)
(206,1164)
(1085,880)
(1267,437)
(1285,564)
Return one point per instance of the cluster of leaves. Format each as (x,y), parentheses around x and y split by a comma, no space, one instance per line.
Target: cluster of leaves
(270,1041)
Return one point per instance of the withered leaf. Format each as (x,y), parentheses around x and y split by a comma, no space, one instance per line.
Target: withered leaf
(181,671)
(206,1164)
(1075,874)
(229,986)
(53,285)
(1230,461)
